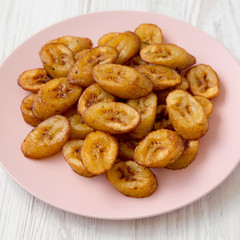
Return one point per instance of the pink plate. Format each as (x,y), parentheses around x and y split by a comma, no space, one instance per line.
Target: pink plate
(52,180)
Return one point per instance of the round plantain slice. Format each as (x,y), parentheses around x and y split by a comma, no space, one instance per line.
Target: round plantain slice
(72,154)
(111,117)
(57,59)
(132,179)
(169,55)
(187,115)
(81,53)
(80,73)
(159,148)
(92,95)
(75,44)
(79,129)
(107,37)
(26,109)
(146,106)
(149,34)
(47,138)
(186,157)
(206,104)
(162,119)
(55,97)
(161,76)
(32,80)
(99,152)
(203,81)
(122,81)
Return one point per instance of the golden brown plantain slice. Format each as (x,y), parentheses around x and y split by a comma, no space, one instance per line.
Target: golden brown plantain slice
(146,106)
(57,59)
(26,109)
(75,44)
(203,81)
(206,104)
(32,80)
(149,34)
(126,146)
(55,97)
(81,53)
(186,157)
(111,117)
(72,154)
(122,81)
(79,129)
(169,55)
(127,44)
(161,76)
(186,114)
(99,152)
(80,73)
(162,119)
(132,179)
(92,95)
(107,37)
(47,138)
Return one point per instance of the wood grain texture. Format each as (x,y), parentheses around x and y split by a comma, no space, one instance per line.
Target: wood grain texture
(24,217)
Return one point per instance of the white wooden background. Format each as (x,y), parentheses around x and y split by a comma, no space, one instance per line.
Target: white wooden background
(215,217)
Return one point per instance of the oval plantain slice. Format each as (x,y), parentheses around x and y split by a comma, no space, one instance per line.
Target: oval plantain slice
(203,81)
(80,73)
(92,95)
(169,55)
(47,138)
(75,44)
(57,59)
(132,179)
(162,119)
(127,44)
(149,34)
(122,81)
(26,109)
(206,104)
(79,129)
(186,157)
(159,148)
(146,106)
(99,152)
(161,76)
(186,114)
(32,80)
(107,37)
(81,53)
(55,97)
(111,117)
(72,154)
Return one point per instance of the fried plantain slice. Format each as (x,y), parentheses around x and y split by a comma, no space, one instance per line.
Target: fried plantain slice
(132,179)
(146,106)
(127,146)
(72,154)
(169,55)
(187,115)
(47,138)
(79,129)
(99,152)
(111,117)
(80,73)
(122,81)
(57,59)
(32,80)
(161,76)
(206,104)
(127,44)
(26,109)
(203,81)
(186,158)
(81,53)
(92,95)
(75,44)
(159,148)
(162,119)
(55,97)
(149,34)
(103,40)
